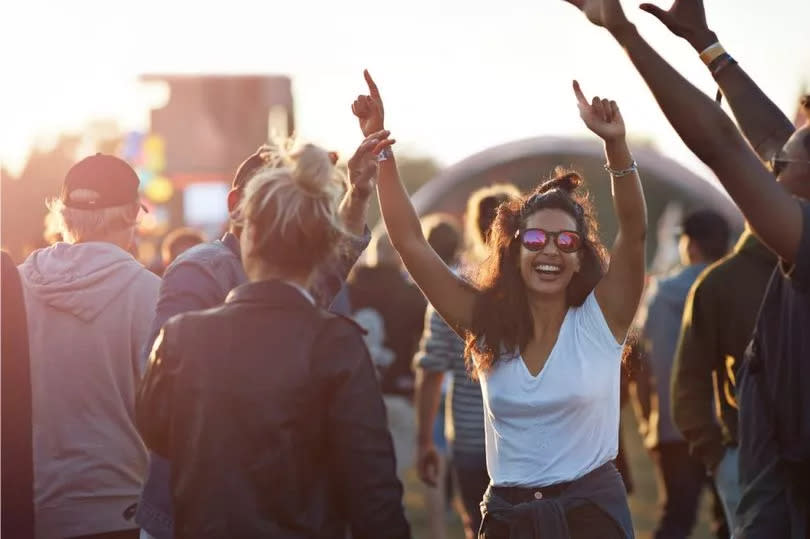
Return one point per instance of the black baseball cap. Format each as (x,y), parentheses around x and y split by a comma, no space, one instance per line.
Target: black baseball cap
(111,178)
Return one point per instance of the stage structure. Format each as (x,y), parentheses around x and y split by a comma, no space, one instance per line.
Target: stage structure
(526,162)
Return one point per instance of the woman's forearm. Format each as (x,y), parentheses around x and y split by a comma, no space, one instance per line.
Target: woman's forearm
(398,213)
(628,196)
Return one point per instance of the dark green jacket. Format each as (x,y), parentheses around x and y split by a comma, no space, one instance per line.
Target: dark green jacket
(718,321)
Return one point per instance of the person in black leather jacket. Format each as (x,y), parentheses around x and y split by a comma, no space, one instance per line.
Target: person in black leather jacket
(268,407)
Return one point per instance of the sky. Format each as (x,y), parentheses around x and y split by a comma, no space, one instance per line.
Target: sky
(456,76)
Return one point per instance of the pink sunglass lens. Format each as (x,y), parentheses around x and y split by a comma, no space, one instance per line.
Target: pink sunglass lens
(567,241)
(534,240)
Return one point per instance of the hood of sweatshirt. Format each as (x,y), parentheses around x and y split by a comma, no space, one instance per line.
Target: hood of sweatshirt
(81,279)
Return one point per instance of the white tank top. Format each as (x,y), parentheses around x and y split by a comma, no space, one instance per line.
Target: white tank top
(563,423)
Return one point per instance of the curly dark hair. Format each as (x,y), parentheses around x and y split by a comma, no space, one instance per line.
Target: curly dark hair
(502,320)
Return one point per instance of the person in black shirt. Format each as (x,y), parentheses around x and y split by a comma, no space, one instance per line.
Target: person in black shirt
(774,385)
(392,311)
(268,406)
(17,494)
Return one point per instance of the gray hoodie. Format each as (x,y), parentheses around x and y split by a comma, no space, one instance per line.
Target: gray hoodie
(89,308)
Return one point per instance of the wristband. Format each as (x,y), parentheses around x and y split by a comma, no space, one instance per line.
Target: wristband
(712,52)
(385,154)
(721,63)
(624,172)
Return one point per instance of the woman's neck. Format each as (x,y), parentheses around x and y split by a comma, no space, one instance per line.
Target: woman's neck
(547,313)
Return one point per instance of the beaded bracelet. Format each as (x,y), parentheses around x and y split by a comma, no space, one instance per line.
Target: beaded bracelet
(624,172)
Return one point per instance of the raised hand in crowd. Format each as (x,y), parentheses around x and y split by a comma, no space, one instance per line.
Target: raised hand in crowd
(760,120)
(363,164)
(362,178)
(620,290)
(605,13)
(369,108)
(772,213)
(448,293)
(601,116)
(686,19)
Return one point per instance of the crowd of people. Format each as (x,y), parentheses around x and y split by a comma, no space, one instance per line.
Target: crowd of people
(272,384)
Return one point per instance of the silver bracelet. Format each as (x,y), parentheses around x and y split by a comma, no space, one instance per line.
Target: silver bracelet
(624,172)
(385,155)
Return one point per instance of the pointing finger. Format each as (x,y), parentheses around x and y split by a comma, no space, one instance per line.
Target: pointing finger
(372,86)
(579,94)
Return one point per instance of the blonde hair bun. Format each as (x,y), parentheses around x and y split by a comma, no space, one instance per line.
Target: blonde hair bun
(313,171)
(293,203)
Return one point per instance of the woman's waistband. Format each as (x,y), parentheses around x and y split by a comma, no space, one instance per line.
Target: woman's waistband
(515,495)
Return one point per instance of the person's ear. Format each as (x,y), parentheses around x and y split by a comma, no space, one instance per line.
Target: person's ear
(234,197)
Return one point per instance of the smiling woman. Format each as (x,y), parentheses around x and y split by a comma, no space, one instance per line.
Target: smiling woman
(502,317)
(544,320)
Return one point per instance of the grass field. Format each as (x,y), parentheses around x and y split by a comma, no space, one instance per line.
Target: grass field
(643,502)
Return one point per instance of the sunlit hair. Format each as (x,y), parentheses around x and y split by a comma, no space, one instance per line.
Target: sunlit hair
(77,225)
(292,203)
(481,209)
(502,321)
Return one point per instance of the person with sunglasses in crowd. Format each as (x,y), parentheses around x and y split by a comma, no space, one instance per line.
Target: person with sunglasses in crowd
(772,384)
(544,318)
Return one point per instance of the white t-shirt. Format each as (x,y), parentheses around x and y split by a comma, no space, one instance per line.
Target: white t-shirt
(563,423)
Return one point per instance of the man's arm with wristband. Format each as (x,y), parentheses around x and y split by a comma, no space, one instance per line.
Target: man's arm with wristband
(762,123)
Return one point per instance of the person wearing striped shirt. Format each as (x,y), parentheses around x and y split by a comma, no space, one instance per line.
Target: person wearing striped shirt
(442,351)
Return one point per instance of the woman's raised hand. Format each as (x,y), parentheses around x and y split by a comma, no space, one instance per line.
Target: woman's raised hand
(600,116)
(369,108)
(363,164)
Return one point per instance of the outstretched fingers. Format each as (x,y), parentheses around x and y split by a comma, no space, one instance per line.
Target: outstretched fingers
(383,144)
(374,143)
(365,147)
(379,135)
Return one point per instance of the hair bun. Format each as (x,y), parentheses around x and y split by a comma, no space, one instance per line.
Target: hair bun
(313,171)
(567,180)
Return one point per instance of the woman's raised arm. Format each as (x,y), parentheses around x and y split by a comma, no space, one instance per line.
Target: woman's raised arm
(450,295)
(620,290)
